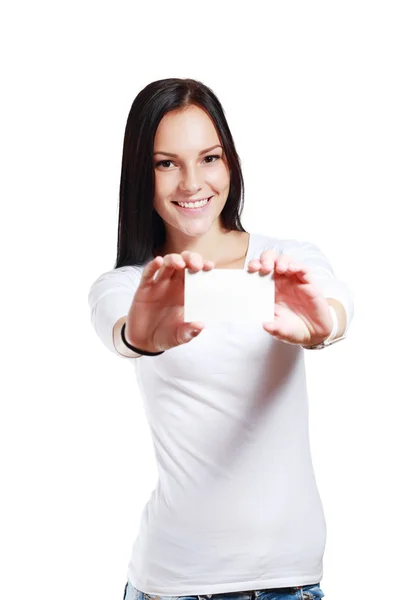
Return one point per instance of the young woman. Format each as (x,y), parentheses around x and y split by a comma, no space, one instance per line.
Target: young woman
(236,511)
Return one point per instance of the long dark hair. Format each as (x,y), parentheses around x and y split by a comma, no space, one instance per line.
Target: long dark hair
(140,227)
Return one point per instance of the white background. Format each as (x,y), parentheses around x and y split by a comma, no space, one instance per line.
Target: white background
(311,94)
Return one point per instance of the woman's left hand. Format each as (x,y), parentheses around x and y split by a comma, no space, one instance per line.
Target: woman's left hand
(302,313)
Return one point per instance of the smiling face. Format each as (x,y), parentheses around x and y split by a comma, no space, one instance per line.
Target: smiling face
(189,165)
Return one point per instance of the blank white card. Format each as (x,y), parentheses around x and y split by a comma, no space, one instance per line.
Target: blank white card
(229,295)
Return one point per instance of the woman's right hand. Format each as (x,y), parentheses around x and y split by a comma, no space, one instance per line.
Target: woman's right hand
(155,319)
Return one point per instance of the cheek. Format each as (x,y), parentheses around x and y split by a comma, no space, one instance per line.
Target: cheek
(164,184)
(164,189)
(219,177)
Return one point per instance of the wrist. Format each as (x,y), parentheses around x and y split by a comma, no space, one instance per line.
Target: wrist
(119,345)
(335,326)
(140,351)
(331,337)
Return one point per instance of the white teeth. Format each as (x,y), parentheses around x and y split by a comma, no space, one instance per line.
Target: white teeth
(198,204)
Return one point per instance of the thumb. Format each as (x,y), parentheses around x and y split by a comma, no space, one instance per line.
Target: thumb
(188,331)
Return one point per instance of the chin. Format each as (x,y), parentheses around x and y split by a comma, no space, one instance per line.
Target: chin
(195,230)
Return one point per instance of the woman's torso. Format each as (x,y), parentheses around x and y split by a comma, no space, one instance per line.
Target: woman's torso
(236,502)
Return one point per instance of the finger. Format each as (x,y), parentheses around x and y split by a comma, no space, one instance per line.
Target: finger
(208,265)
(300,270)
(166,272)
(194,260)
(271,327)
(268,259)
(150,270)
(278,329)
(177,266)
(282,263)
(274,330)
(187,331)
(264,266)
(254,265)
(175,261)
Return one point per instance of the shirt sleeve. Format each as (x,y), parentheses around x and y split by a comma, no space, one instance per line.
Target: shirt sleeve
(322,274)
(110,298)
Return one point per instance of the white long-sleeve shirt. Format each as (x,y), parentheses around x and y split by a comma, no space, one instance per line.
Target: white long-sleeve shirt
(236,506)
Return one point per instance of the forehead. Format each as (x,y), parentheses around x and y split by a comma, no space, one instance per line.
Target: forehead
(188,129)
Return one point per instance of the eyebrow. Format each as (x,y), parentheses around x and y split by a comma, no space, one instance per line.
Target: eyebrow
(176,155)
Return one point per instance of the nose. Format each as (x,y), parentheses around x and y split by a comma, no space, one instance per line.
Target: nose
(191,181)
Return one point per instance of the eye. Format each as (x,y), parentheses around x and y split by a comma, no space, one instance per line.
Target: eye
(216,156)
(161,163)
(167,163)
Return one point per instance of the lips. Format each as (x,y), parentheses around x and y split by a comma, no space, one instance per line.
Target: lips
(195,210)
(193,200)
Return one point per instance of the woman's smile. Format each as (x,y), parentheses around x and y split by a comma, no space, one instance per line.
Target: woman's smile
(193,206)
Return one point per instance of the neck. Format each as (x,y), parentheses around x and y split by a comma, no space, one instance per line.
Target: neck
(209,245)
(223,247)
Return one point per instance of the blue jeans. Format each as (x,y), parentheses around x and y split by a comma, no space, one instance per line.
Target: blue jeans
(301,592)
